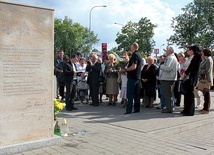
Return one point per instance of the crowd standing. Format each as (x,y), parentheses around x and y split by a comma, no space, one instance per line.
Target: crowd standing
(174,75)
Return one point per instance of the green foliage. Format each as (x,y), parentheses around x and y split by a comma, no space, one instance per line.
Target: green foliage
(72,37)
(140,32)
(194,25)
(115,50)
(95,50)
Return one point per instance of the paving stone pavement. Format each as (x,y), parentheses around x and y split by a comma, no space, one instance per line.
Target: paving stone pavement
(149,132)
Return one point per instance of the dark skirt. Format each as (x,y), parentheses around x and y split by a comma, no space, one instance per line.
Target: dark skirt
(148,89)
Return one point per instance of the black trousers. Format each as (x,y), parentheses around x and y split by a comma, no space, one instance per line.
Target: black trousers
(94,91)
(177,94)
(70,94)
(189,99)
(90,90)
(61,91)
(206,101)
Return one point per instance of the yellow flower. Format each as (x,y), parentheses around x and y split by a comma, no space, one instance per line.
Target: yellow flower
(60,106)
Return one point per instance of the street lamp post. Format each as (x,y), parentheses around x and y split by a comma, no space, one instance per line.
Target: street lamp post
(161,47)
(90,15)
(118,24)
(121,30)
(90,46)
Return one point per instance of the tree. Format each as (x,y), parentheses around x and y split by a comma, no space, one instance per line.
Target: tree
(115,50)
(194,25)
(72,37)
(95,50)
(140,32)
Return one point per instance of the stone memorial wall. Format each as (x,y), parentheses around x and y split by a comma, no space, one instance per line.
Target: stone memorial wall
(26,73)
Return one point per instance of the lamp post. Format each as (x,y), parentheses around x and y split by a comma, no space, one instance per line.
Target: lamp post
(91,12)
(161,47)
(118,24)
(90,46)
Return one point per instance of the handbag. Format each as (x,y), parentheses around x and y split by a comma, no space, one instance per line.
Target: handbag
(82,85)
(182,87)
(203,85)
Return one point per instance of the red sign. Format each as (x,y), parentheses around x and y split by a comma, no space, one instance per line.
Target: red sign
(104,51)
(104,45)
(156,51)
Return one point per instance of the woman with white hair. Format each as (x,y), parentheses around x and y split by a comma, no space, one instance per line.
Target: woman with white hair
(148,77)
(111,72)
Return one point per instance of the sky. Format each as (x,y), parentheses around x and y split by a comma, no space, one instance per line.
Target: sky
(160,12)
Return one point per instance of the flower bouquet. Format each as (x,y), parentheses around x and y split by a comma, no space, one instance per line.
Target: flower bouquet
(121,64)
(58,106)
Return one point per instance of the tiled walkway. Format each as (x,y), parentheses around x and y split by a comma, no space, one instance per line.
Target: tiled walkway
(149,132)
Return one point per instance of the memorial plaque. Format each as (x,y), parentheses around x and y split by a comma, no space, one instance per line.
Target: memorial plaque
(26,75)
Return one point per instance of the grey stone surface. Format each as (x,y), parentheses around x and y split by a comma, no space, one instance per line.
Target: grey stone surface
(56,140)
(26,74)
(145,133)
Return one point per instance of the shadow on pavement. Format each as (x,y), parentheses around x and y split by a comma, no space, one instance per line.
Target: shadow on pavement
(111,114)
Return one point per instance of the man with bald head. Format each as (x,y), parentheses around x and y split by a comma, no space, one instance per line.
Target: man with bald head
(133,84)
(93,68)
(168,76)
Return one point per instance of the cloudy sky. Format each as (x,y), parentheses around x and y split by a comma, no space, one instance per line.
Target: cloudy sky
(120,11)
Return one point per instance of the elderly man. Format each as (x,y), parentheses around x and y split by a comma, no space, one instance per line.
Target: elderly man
(168,76)
(93,68)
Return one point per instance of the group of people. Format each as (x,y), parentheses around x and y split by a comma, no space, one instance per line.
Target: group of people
(75,76)
(137,79)
(176,71)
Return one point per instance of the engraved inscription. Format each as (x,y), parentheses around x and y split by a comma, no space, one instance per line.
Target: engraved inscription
(18,74)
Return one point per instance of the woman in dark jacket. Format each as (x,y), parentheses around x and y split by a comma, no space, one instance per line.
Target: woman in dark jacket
(148,77)
(191,78)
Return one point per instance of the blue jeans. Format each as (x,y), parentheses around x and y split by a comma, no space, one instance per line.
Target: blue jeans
(173,100)
(163,104)
(133,93)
